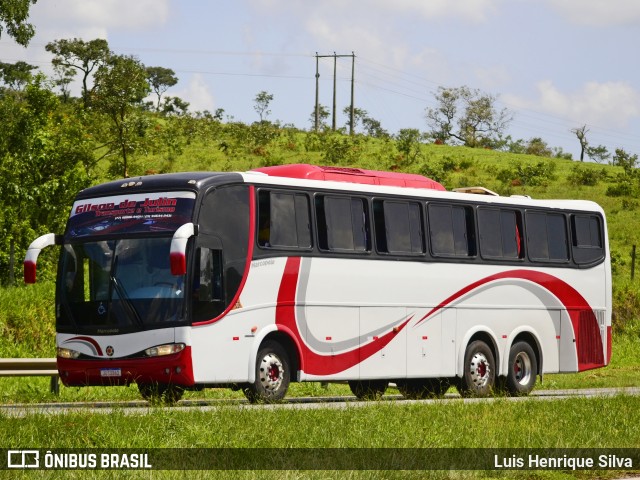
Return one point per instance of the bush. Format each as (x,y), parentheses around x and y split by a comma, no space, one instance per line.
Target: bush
(584,176)
(626,308)
(528,174)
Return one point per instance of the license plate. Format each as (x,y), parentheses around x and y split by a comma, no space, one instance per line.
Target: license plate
(110,372)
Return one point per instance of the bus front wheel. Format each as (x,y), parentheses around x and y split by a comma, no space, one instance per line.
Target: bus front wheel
(479,371)
(272,375)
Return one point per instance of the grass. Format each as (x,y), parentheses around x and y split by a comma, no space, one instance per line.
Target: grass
(526,424)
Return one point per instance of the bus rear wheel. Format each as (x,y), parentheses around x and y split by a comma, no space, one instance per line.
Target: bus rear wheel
(272,375)
(421,388)
(479,371)
(523,369)
(368,389)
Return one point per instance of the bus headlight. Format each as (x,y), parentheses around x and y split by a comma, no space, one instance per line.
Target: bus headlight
(161,350)
(67,353)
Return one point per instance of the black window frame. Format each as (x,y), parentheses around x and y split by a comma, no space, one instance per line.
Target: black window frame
(264,213)
(470,236)
(500,232)
(324,230)
(535,230)
(416,227)
(587,254)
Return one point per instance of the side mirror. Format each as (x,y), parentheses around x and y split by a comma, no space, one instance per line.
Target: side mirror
(31,258)
(178,252)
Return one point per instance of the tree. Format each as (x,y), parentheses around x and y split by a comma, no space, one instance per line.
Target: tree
(120,86)
(175,106)
(16,75)
(374,128)
(262,101)
(625,160)
(13,19)
(537,146)
(359,115)
(581,133)
(161,79)
(43,152)
(80,55)
(408,142)
(467,116)
(598,154)
(323,115)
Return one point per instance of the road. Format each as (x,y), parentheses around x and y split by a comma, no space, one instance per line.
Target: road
(141,407)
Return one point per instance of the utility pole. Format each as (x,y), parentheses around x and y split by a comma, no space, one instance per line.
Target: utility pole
(317,119)
(335,67)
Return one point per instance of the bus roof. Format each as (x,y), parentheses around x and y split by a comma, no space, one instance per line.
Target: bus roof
(352,175)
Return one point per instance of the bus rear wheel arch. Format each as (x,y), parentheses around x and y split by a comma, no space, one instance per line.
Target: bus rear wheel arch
(273,374)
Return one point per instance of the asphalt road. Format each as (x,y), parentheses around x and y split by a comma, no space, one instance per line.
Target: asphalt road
(141,407)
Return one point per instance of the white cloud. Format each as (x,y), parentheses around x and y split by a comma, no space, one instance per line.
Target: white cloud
(472,10)
(609,104)
(102,14)
(197,94)
(599,12)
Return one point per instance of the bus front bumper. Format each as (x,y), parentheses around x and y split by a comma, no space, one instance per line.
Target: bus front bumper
(175,369)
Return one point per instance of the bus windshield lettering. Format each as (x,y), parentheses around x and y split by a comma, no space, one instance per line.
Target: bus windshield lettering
(138,213)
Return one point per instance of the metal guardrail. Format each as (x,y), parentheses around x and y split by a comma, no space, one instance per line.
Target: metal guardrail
(28,367)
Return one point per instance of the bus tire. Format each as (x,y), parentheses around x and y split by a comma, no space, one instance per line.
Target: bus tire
(272,375)
(421,388)
(479,371)
(522,370)
(368,389)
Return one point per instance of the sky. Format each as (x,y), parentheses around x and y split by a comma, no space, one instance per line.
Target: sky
(556,65)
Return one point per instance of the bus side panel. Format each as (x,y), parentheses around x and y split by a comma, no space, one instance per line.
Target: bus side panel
(568,352)
(221,350)
(431,346)
(391,361)
(330,331)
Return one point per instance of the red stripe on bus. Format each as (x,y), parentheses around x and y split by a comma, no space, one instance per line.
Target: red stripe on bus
(310,361)
(583,319)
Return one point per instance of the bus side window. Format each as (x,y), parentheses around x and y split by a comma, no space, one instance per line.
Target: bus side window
(208,285)
(586,234)
(451,230)
(343,224)
(283,220)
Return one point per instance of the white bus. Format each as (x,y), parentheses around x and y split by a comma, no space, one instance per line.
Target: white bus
(303,273)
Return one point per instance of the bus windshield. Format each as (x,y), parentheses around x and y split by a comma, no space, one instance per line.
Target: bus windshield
(111,286)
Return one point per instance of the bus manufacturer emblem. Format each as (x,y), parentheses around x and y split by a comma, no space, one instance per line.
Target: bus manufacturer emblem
(109,351)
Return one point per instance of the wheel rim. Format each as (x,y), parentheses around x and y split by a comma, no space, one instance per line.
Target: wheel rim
(271,372)
(522,368)
(480,370)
